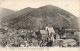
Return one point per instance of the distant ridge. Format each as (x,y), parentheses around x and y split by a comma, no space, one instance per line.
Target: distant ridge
(5,12)
(17,14)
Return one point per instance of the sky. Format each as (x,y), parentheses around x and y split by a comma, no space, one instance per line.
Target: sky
(71,6)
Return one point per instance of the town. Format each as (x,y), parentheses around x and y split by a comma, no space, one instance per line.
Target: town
(47,37)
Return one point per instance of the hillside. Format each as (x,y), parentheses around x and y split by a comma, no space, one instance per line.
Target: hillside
(17,14)
(44,16)
(5,12)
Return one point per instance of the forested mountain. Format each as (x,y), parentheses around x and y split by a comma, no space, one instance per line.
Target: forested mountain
(38,18)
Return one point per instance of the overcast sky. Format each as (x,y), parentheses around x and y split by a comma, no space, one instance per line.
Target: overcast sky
(71,6)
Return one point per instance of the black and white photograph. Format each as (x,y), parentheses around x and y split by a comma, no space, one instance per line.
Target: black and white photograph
(37,23)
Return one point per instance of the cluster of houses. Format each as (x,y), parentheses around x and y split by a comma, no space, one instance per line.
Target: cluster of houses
(40,38)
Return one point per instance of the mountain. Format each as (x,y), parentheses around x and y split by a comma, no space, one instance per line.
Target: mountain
(44,16)
(17,14)
(5,12)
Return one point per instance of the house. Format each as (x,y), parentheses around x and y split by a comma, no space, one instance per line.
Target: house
(50,29)
(44,33)
(70,42)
